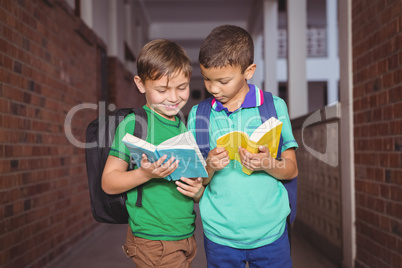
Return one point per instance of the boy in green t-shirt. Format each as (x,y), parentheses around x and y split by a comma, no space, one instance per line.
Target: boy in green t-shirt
(160,232)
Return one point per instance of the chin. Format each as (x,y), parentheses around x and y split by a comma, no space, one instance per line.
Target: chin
(168,113)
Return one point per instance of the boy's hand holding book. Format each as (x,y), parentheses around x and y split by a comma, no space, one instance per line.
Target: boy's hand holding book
(182,147)
(217,159)
(160,168)
(191,187)
(258,161)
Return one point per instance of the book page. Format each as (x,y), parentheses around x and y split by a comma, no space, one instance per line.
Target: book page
(137,147)
(131,139)
(271,140)
(264,128)
(184,141)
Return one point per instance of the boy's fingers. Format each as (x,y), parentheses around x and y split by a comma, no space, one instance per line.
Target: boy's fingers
(168,163)
(161,160)
(184,192)
(169,169)
(181,184)
(220,150)
(186,180)
(224,155)
(244,155)
(191,181)
(165,169)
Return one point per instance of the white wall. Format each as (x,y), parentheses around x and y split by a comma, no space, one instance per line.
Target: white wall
(116,22)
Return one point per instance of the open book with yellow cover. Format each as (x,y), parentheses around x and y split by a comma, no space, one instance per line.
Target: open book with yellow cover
(268,135)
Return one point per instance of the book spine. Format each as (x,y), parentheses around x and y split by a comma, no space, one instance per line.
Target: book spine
(247,171)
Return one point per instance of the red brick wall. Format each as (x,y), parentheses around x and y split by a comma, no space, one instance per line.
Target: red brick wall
(49,63)
(377,101)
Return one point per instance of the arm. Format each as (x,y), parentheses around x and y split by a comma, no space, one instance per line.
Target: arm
(286,169)
(116,179)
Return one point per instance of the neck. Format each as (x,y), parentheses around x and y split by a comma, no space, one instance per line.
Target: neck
(235,103)
(171,118)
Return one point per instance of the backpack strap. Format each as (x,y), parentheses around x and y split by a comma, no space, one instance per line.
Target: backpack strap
(140,130)
(267,109)
(202,126)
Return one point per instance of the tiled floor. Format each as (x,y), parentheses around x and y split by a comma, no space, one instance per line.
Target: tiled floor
(103,250)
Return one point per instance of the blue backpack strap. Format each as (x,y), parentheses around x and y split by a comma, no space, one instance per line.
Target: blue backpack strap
(267,110)
(202,126)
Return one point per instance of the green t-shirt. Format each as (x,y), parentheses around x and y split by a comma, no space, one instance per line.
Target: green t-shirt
(166,214)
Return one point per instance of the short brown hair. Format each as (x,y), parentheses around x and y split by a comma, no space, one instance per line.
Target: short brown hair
(227,44)
(162,57)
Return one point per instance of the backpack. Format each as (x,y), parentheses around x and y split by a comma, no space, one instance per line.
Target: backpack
(99,137)
(267,110)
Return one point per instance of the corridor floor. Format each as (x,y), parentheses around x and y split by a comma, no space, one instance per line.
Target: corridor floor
(103,250)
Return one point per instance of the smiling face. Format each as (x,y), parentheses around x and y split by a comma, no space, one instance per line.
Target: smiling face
(228,84)
(166,96)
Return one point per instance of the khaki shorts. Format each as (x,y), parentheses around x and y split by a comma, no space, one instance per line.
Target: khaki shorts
(160,253)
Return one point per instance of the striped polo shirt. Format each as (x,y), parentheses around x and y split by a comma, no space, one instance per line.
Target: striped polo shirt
(239,210)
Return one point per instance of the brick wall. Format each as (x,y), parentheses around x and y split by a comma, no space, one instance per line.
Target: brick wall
(377,101)
(49,63)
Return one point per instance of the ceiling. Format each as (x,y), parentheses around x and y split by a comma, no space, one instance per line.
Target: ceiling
(183,11)
(188,22)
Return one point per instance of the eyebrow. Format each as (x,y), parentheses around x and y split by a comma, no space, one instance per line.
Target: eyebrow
(166,86)
(219,78)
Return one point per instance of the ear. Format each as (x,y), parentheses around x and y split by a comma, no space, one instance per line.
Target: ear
(140,85)
(249,72)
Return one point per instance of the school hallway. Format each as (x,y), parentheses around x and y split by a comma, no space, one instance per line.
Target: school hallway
(103,250)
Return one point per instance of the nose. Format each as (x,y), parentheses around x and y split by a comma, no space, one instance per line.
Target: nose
(173,96)
(213,89)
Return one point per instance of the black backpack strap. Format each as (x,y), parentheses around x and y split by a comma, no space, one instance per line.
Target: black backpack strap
(141,131)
